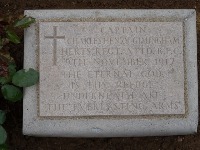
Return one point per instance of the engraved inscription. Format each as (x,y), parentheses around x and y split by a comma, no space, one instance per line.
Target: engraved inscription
(111,69)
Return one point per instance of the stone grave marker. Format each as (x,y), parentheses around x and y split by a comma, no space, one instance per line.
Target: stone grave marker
(111,73)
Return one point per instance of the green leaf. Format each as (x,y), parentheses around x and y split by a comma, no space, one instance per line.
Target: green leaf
(4,80)
(2,116)
(25,79)
(11,69)
(12,36)
(24,22)
(3,147)
(11,93)
(3,135)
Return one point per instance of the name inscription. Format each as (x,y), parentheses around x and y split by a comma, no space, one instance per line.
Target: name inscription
(111,68)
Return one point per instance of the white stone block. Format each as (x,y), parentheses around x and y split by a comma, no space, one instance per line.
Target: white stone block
(111,73)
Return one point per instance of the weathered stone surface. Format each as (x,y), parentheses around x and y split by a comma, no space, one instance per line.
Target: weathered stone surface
(111,68)
(112,73)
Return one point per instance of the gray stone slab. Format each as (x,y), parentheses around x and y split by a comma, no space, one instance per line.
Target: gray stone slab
(111,73)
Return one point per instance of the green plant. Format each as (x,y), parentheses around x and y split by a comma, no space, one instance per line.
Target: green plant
(12,80)
(3,134)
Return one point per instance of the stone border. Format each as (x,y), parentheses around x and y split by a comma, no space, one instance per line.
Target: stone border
(113,126)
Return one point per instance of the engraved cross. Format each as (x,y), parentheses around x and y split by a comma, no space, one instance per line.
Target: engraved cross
(54,37)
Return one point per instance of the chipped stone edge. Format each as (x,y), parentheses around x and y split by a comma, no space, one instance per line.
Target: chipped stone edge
(95,127)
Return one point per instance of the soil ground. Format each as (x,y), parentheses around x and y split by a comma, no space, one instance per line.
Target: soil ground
(13,125)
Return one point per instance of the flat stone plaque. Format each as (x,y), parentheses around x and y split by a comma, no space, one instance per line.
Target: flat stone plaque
(111,68)
(111,73)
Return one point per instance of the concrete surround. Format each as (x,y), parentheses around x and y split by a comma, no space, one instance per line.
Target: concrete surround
(150,90)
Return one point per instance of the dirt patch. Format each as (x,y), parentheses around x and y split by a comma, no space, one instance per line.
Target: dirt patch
(13,124)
